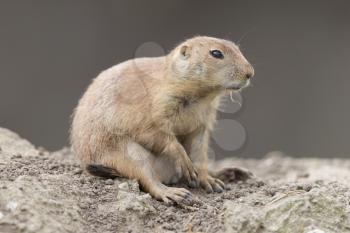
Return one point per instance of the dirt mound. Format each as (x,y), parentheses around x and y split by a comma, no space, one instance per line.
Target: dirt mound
(48,192)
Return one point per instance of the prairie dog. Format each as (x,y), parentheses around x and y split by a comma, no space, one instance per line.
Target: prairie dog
(150,118)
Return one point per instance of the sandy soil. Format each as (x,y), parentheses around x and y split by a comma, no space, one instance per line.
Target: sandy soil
(48,192)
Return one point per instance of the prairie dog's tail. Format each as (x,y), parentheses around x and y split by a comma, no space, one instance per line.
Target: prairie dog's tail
(102,171)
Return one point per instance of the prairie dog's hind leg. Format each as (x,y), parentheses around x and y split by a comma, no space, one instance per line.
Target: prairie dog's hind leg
(134,161)
(232,174)
(166,171)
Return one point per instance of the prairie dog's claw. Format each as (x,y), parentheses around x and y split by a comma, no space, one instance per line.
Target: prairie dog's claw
(171,194)
(210,184)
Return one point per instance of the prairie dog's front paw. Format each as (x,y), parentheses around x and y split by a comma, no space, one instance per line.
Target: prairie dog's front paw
(172,194)
(211,184)
(188,171)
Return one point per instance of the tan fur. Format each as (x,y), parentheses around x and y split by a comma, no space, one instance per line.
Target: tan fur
(150,118)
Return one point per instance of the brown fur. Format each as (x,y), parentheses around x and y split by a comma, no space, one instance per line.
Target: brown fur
(150,118)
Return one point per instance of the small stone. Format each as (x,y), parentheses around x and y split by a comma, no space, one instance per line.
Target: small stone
(12,205)
(52,167)
(144,197)
(260,183)
(41,150)
(169,227)
(77,171)
(271,192)
(319,182)
(109,182)
(124,186)
(134,186)
(303,175)
(17,156)
(32,173)
(316,231)
(251,182)
(257,203)
(307,187)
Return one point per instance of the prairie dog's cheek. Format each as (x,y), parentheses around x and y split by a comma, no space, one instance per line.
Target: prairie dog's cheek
(225,74)
(200,69)
(180,67)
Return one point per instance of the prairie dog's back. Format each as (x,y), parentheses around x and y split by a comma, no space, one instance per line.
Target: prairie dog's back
(104,110)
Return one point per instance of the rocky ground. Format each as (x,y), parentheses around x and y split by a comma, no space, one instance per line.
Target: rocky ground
(42,192)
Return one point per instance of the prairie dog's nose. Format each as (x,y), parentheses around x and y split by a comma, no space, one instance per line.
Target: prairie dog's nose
(249,72)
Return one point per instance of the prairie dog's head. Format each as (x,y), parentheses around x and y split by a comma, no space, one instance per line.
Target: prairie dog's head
(211,62)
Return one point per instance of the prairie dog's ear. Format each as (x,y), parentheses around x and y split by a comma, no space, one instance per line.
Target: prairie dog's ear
(185,51)
(181,63)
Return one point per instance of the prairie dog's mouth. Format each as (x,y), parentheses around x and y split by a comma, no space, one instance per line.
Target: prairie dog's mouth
(233,88)
(236,86)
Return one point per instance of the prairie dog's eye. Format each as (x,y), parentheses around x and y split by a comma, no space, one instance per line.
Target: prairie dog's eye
(217,54)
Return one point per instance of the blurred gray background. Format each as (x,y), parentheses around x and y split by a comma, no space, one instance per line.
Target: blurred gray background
(299,101)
